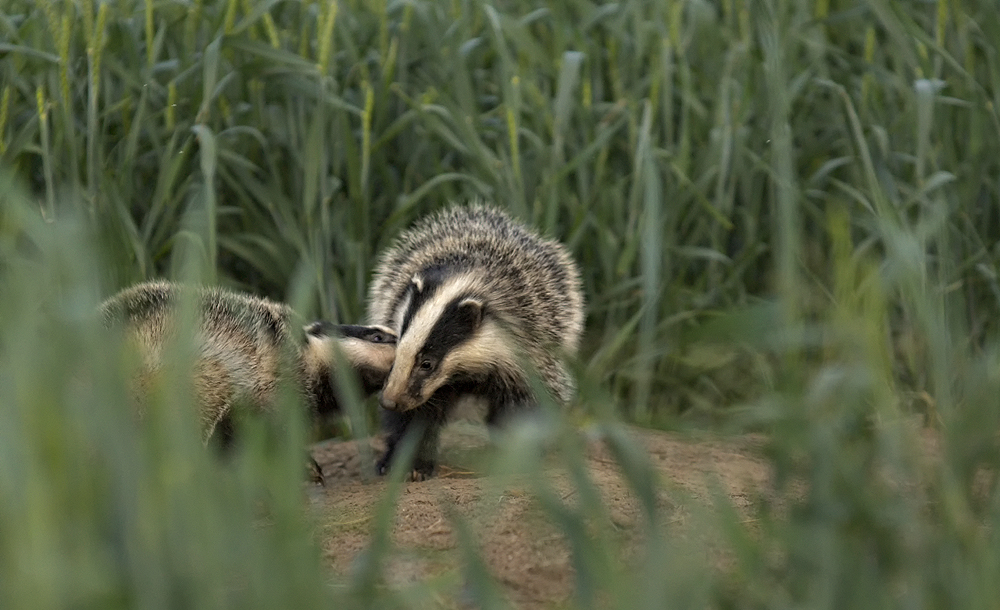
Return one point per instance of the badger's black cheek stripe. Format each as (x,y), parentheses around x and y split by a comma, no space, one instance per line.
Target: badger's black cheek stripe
(431,280)
(375,335)
(416,384)
(322,328)
(413,303)
(356,331)
(407,318)
(454,327)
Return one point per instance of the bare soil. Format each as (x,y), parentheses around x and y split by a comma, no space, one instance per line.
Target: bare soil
(524,552)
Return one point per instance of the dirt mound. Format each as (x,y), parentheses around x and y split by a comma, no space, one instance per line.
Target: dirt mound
(525,553)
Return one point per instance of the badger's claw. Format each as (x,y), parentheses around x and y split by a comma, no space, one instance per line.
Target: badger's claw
(422,469)
(316,472)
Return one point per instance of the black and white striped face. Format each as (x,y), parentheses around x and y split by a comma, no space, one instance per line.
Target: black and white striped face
(445,330)
(365,347)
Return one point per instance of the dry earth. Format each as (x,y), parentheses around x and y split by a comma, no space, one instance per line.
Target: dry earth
(525,553)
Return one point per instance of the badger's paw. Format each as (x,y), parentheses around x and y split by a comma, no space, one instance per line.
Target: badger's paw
(382,465)
(422,469)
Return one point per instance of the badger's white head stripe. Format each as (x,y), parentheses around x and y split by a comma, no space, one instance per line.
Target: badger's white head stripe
(418,332)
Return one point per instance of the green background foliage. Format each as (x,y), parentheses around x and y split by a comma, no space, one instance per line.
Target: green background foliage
(789,202)
(688,153)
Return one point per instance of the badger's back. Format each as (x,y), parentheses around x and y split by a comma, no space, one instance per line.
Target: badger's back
(531,283)
(243,344)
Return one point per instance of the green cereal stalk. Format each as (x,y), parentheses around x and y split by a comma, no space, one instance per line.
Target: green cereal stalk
(924,58)
(150,33)
(969,59)
(191,27)
(94,52)
(4,109)
(745,27)
(676,21)
(515,151)
(822,9)
(67,135)
(366,136)
(224,108)
(404,24)
(171,105)
(52,17)
(656,71)
(95,49)
(327,20)
(613,75)
(942,22)
(272,31)
(669,67)
(867,79)
(251,31)
(230,19)
(64,58)
(43,122)
(257,99)
(305,28)
(127,113)
(389,66)
(382,10)
(87,9)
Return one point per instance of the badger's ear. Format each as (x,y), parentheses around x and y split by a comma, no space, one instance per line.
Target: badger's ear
(320,329)
(470,309)
(417,282)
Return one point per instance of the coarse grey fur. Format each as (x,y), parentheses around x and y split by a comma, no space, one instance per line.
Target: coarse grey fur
(245,347)
(479,301)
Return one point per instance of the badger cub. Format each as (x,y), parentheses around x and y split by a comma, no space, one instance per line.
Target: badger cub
(479,301)
(245,347)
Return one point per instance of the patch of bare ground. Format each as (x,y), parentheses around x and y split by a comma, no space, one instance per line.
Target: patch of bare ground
(524,551)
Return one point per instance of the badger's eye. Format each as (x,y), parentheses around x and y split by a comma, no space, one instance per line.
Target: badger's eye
(426,365)
(377,338)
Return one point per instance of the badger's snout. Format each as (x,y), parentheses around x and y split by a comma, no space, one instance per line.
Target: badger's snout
(393,395)
(386,403)
(400,405)
(398,402)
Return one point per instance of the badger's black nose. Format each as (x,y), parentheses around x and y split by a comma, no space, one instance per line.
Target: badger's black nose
(387,403)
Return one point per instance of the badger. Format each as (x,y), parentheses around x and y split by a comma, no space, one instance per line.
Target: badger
(245,347)
(479,302)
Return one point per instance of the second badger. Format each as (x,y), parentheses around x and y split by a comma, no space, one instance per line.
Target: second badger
(245,347)
(479,302)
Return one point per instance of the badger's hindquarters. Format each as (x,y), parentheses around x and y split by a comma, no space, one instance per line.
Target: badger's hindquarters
(244,347)
(480,302)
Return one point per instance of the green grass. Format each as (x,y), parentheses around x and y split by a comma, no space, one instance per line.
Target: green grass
(786,213)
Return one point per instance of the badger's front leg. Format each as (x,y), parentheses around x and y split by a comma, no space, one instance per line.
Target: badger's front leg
(508,403)
(427,421)
(397,426)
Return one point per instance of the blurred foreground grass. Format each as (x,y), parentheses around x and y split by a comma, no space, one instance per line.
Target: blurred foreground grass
(789,204)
